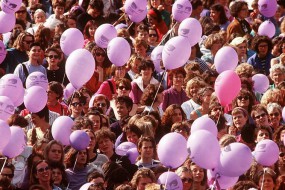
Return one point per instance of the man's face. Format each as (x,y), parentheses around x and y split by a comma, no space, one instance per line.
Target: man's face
(122,109)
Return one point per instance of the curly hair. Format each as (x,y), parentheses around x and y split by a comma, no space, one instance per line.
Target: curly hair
(166,119)
(149,94)
(244,70)
(194,82)
(104,133)
(43,36)
(78,95)
(70,157)
(272,96)
(19,42)
(213,39)
(276,135)
(236,7)
(258,40)
(142,173)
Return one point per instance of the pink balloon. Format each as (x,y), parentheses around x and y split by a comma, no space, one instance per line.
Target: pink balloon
(235,159)
(138,17)
(7,22)
(267,28)
(227,87)
(5,134)
(204,149)
(123,148)
(32,101)
(7,108)
(3,52)
(79,67)
(266,152)
(132,154)
(267,8)
(181,10)
(11,6)
(176,47)
(171,180)
(68,91)
(16,143)
(135,7)
(226,59)
(191,29)
(156,56)
(61,129)
(79,140)
(70,40)
(37,79)
(261,83)
(204,123)
(104,34)
(119,51)
(223,181)
(11,86)
(169,156)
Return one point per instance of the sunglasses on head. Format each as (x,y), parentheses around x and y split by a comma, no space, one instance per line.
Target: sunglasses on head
(43,169)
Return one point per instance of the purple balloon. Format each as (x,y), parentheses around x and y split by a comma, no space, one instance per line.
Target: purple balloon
(11,6)
(261,83)
(266,152)
(204,149)
(135,7)
(7,108)
(171,180)
(16,143)
(169,156)
(7,22)
(3,52)
(181,10)
(267,8)
(79,67)
(11,86)
(70,40)
(227,87)
(123,148)
(226,59)
(176,47)
(37,79)
(267,28)
(235,159)
(138,17)
(223,181)
(79,140)
(61,129)
(132,154)
(119,51)
(68,91)
(5,134)
(204,123)
(191,29)
(104,34)
(20,100)
(156,56)
(32,101)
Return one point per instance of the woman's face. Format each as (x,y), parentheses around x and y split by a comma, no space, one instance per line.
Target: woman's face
(147,150)
(243,101)
(132,137)
(274,117)
(155,3)
(52,58)
(55,153)
(21,14)
(243,13)
(282,135)
(262,49)
(266,182)
(152,20)
(261,118)
(178,80)
(122,90)
(177,116)
(120,72)
(92,142)
(135,66)
(193,91)
(100,56)
(43,173)
(96,122)
(40,17)
(262,134)
(197,172)
(277,76)
(92,30)
(187,180)
(56,176)
(239,120)
(159,97)
(152,36)
(76,106)
(241,49)
(214,15)
(52,96)
(147,73)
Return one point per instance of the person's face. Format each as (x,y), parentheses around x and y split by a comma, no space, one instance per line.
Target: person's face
(152,36)
(101,103)
(59,10)
(93,12)
(122,109)
(55,153)
(40,18)
(274,117)
(132,137)
(21,14)
(35,53)
(187,180)
(146,73)
(262,135)
(98,181)
(52,58)
(239,120)
(232,130)
(155,3)
(7,173)
(216,112)
(76,106)
(96,122)
(263,49)
(92,142)
(151,20)
(36,119)
(193,91)
(56,176)
(92,30)
(177,116)
(261,118)
(52,96)
(277,76)
(120,72)
(178,80)
(122,90)
(140,50)
(143,35)
(27,42)
(266,182)
(100,56)
(18,29)
(81,157)
(105,145)
(147,150)
(214,15)
(143,181)
(243,12)
(135,66)
(71,23)
(241,49)
(43,173)
(282,135)
(243,101)
(197,172)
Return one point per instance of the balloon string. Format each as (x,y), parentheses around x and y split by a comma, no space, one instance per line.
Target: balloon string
(156,92)
(5,159)
(73,168)
(262,183)
(166,178)
(167,34)
(130,26)
(119,19)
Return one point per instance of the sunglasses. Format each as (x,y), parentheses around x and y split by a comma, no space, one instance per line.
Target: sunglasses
(53,56)
(152,35)
(243,97)
(122,88)
(77,104)
(188,180)
(276,114)
(100,54)
(281,154)
(8,175)
(41,170)
(101,105)
(260,116)
(23,11)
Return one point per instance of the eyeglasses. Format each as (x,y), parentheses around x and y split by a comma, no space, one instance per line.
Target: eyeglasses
(152,35)
(28,42)
(188,180)
(77,104)
(276,114)
(21,11)
(53,56)
(260,116)
(41,170)
(122,88)
(8,175)
(100,54)
(243,97)
(101,105)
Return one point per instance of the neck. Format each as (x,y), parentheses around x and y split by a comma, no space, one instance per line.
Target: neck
(177,87)
(46,185)
(34,62)
(53,67)
(44,126)
(109,154)
(91,153)
(146,160)
(52,103)
(79,166)
(146,81)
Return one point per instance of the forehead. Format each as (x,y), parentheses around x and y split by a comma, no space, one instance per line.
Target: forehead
(42,164)
(55,146)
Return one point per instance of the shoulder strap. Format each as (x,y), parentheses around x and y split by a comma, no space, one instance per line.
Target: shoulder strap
(111,86)
(25,70)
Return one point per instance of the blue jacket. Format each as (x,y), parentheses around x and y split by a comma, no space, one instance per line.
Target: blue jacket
(255,61)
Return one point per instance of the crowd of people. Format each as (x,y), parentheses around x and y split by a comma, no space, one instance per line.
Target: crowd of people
(140,102)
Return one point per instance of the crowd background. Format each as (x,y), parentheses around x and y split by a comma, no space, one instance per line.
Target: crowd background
(141,102)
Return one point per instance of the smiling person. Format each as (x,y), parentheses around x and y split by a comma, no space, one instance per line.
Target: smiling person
(260,115)
(275,115)
(76,103)
(277,75)
(266,179)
